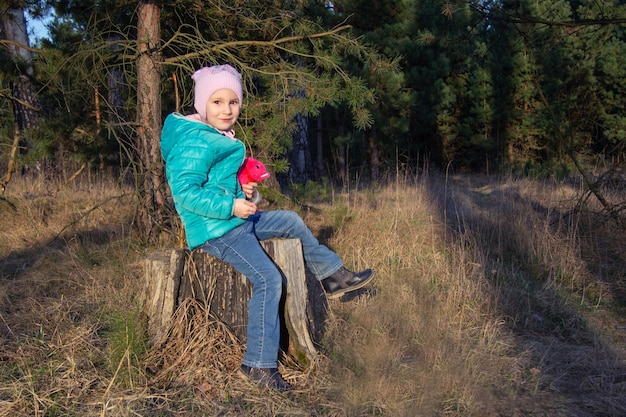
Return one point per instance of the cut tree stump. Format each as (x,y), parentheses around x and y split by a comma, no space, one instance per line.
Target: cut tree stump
(173,275)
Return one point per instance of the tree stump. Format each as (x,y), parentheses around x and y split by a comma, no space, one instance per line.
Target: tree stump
(173,275)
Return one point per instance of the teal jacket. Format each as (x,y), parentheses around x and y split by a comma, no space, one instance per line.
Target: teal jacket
(201,167)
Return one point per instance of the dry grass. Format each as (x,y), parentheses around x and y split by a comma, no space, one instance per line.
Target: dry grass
(491,299)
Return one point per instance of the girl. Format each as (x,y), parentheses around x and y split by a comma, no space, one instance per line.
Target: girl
(202,158)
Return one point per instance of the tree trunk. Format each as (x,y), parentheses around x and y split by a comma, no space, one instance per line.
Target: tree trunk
(374,159)
(115,85)
(320,171)
(151,178)
(26,106)
(116,114)
(342,158)
(299,156)
(174,275)
(11,164)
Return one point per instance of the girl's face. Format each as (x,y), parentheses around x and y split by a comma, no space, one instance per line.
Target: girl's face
(222,109)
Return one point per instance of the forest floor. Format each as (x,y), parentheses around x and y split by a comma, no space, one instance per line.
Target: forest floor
(493,297)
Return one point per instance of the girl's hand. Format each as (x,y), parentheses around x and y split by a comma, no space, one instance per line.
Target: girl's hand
(248,188)
(244,208)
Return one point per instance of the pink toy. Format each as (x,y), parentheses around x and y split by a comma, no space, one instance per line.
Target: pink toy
(252,171)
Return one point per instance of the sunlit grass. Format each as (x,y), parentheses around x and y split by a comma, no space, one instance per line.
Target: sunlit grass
(491,297)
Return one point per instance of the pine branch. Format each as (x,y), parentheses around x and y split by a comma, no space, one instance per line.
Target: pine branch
(236,44)
(497,14)
(19,45)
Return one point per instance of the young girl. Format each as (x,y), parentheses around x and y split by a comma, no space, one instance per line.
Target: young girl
(202,158)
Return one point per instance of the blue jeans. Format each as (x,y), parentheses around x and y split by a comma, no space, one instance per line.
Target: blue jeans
(241,248)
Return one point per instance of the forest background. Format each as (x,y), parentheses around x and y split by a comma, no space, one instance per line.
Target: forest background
(336,90)
(342,97)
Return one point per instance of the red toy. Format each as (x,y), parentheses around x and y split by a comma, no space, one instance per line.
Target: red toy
(253,170)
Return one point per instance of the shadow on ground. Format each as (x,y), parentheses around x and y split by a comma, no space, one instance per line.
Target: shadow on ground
(572,351)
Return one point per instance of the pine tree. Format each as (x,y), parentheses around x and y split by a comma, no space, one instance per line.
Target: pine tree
(386,26)
(292,66)
(19,72)
(565,86)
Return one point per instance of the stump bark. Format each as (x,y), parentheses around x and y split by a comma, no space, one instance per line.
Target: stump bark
(173,275)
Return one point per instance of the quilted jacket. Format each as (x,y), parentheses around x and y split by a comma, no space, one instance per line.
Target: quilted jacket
(201,167)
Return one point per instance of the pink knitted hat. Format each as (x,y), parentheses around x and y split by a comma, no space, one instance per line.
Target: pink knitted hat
(210,79)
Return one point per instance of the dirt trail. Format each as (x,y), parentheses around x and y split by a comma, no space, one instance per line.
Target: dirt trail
(561,277)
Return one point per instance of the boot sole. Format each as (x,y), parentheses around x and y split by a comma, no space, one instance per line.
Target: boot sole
(350,289)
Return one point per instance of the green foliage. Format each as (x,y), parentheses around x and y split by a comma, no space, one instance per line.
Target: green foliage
(562,95)
(288,68)
(311,191)
(472,84)
(126,344)
(386,29)
(557,170)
